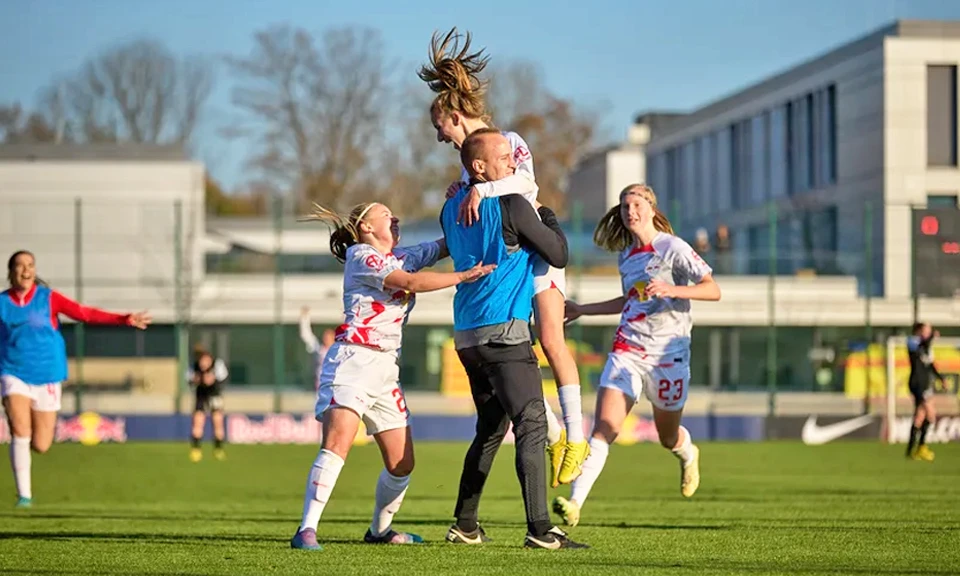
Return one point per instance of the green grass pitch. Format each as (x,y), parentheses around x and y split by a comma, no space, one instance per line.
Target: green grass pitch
(769,508)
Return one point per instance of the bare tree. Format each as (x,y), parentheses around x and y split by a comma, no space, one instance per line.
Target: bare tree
(317,107)
(17,126)
(134,92)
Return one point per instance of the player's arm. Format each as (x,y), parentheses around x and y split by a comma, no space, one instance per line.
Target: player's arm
(689,268)
(306,333)
(60,304)
(706,289)
(429,281)
(612,306)
(522,182)
(542,235)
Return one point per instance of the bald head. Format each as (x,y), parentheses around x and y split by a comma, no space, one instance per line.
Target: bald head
(487,155)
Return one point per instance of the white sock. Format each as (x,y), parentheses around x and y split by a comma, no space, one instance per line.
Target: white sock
(20,460)
(572,411)
(320,483)
(553,425)
(685,451)
(390,492)
(592,467)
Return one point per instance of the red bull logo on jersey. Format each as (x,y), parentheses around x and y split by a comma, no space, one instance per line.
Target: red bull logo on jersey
(90,429)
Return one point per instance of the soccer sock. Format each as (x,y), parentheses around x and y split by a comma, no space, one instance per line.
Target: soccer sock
(914,434)
(592,467)
(553,425)
(923,432)
(195,442)
(685,450)
(572,411)
(390,492)
(20,460)
(320,483)
(218,443)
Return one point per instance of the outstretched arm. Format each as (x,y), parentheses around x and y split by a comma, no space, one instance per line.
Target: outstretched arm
(428,281)
(60,304)
(306,333)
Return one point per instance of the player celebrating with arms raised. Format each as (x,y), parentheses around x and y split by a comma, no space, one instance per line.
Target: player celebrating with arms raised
(457,111)
(33,360)
(360,375)
(651,349)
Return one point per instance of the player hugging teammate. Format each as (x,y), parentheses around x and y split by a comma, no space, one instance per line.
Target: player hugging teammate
(359,379)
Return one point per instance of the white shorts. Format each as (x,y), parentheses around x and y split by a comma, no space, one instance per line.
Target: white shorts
(546,277)
(664,380)
(366,381)
(44,397)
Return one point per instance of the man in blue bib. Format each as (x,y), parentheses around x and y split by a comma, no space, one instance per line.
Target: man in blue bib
(492,337)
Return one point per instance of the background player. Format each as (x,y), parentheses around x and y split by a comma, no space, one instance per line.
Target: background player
(651,349)
(360,375)
(208,376)
(922,373)
(316,348)
(33,360)
(457,111)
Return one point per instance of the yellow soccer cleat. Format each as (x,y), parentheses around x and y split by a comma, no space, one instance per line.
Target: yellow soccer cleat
(924,453)
(573,458)
(196,455)
(220,454)
(690,474)
(568,510)
(556,453)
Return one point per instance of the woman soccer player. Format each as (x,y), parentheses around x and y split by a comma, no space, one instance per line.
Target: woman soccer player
(33,360)
(208,376)
(456,112)
(651,349)
(360,374)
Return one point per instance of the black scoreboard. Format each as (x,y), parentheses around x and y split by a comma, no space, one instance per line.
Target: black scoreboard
(936,252)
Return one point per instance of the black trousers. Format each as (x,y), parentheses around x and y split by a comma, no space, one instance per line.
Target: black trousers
(506,386)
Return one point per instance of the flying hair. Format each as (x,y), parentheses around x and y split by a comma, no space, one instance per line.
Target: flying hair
(613,235)
(453,74)
(344,230)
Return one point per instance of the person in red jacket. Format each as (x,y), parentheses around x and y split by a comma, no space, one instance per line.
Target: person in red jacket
(33,360)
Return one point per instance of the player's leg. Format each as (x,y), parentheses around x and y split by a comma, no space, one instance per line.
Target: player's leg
(396,448)
(219,430)
(197,424)
(919,416)
(549,310)
(930,417)
(667,390)
(17,403)
(613,405)
(340,427)
(492,424)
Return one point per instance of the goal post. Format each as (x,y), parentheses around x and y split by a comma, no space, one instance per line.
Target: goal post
(946,351)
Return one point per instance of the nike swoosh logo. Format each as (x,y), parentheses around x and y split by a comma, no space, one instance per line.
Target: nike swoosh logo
(815,435)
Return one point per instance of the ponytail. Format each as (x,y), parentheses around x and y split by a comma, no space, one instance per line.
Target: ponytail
(660,222)
(453,74)
(345,231)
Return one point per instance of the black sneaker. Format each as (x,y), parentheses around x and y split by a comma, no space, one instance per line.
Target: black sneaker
(457,535)
(554,539)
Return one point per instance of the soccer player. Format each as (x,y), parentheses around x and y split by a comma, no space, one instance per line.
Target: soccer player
(316,348)
(651,349)
(33,360)
(492,338)
(208,376)
(922,373)
(360,375)
(457,111)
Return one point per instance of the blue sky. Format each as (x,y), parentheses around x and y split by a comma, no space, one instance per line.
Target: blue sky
(625,55)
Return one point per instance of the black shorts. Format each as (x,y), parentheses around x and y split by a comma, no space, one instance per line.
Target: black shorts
(209,403)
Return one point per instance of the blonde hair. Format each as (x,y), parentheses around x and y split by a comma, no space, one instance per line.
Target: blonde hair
(453,74)
(613,235)
(345,231)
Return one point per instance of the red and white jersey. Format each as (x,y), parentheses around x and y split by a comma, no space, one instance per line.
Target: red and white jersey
(522,182)
(654,327)
(374,314)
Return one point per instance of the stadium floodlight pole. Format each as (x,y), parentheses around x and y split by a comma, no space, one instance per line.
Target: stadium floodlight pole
(178,315)
(868,297)
(771,313)
(578,277)
(78,327)
(278,367)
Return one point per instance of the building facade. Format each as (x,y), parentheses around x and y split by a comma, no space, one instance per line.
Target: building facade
(824,159)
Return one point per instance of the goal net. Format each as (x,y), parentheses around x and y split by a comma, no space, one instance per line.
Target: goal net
(898,412)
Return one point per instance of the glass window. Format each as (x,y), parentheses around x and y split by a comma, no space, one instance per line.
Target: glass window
(724,172)
(778,152)
(758,163)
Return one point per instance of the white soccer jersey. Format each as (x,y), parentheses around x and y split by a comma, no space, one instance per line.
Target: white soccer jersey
(374,314)
(522,182)
(654,327)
